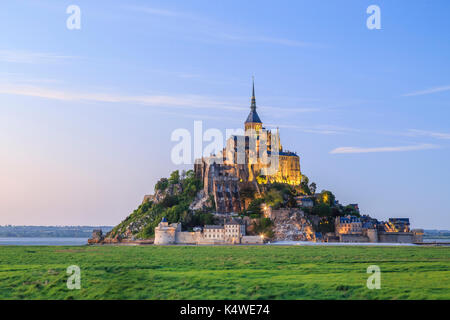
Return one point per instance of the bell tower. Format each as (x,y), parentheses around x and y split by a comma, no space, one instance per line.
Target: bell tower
(253,122)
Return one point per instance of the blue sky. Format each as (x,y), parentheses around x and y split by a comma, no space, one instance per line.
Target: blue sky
(86,115)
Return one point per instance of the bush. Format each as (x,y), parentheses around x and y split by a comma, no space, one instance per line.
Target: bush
(254,208)
(174,207)
(174,177)
(169,201)
(274,198)
(162,184)
(326,197)
(321,210)
(263,226)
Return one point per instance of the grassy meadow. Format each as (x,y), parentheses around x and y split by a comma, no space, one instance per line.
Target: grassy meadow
(228,272)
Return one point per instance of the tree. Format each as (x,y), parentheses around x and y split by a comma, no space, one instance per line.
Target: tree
(325,225)
(162,184)
(321,210)
(174,177)
(264,227)
(190,174)
(304,185)
(274,198)
(255,206)
(313,187)
(349,210)
(326,197)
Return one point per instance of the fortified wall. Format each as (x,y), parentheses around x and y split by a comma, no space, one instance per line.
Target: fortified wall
(230,233)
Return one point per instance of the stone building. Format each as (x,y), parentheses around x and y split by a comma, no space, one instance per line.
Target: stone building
(232,232)
(397,225)
(214,232)
(366,229)
(305,201)
(256,156)
(348,225)
(165,233)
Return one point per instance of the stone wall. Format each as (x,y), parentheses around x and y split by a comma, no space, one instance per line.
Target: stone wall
(211,241)
(164,237)
(372,234)
(252,240)
(353,238)
(396,237)
(187,237)
(418,235)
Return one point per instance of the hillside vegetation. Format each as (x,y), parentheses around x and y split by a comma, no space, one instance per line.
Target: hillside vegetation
(174,196)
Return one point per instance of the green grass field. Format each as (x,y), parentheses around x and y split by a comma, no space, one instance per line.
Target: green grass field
(239,272)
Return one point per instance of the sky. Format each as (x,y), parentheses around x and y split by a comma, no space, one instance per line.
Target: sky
(86,115)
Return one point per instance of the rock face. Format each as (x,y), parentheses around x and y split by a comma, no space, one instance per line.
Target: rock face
(291,224)
(97,237)
(200,202)
(222,181)
(172,190)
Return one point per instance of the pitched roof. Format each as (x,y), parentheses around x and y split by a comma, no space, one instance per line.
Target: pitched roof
(253,115)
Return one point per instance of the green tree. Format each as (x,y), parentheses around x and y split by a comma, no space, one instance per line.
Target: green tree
(304,185)
(255,206)
(263,226)
(174,177)
(350,210)
(162,184)
(326,197)
(313,187)
(326,225)
(321,210)
(274,198)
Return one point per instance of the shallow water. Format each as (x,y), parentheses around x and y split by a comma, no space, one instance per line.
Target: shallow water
(308,243)
(43,241)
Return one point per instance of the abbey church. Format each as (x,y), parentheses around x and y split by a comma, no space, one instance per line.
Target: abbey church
(255,157)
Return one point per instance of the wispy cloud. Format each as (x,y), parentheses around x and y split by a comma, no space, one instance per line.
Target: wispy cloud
(428,91)
(317,129)
(288,110)
(263,39)
(431,134)
(21,56)
(214,29)
(180,101)
(345,150)
(157,11)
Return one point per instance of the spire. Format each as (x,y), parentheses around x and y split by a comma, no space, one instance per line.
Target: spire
(253,106)
(253,116)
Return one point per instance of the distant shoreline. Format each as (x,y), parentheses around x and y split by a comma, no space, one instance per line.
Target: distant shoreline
(83,241)
(10,231)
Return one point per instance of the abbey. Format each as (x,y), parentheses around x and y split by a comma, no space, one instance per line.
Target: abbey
(249,159)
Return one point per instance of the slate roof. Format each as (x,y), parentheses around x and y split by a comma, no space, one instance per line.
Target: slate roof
(253,117)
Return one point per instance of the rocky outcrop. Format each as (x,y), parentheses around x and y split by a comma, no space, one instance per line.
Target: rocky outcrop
(201,202)
(97,237)
(172,190)
(291,224)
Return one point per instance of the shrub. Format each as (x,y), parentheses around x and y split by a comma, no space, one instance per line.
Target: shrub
(162,184)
